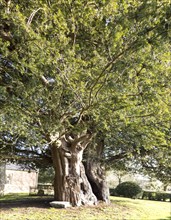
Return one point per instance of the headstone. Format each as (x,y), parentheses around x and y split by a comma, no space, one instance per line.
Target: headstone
(60,204)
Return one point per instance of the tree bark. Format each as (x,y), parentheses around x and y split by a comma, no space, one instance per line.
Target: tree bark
(165,185)
(71,183)
(95,170)
(97,178)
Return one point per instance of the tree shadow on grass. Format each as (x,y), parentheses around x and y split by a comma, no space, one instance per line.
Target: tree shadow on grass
(37,203)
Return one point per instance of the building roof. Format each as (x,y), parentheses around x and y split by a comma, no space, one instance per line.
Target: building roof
(11,166)
(19,167)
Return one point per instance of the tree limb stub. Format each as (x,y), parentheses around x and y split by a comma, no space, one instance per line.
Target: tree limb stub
(44,80)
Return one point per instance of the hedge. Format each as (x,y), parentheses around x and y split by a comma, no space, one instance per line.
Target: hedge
(157,196)
(150,195)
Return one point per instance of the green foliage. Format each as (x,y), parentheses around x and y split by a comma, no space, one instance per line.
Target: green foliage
(128,189)
(157,196)
(46,175)
(112,191)
(61,60)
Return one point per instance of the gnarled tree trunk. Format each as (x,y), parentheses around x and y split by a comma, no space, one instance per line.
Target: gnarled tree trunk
(95,170)
(71,183)
(97,178)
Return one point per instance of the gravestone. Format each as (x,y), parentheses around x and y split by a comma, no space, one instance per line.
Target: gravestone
(60,204)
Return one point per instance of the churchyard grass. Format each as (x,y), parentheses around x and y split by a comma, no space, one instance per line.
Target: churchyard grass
(119,209)
(14,197)
(20,196)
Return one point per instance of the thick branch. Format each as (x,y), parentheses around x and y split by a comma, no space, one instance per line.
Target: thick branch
(84,140)
(44,80)
(116,157)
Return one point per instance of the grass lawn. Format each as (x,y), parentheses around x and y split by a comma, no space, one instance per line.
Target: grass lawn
(15,197)
(119,209)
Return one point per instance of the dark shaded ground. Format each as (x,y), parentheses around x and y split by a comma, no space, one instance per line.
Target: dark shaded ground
(25,203)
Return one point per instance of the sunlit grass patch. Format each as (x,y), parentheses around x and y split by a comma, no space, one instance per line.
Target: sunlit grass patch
(145,209)
(119,209)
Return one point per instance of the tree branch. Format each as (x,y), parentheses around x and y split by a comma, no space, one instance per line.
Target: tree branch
(84,140)
(117,157)
(114,59)
(32,16)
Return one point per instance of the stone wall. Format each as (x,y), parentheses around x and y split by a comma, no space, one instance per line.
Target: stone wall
(20,181)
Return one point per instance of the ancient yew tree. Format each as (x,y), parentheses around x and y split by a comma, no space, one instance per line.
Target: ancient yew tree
(83,84)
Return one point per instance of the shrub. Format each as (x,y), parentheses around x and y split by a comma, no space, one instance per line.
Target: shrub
(40,192)
(112,192)
(150,195)
(158,196)
(128,189)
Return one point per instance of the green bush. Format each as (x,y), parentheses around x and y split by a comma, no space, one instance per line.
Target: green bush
(128,189)
(158,196)
(40,192)
(150,195)
(112,192)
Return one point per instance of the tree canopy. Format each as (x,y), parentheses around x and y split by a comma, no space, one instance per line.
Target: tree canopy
(86,69)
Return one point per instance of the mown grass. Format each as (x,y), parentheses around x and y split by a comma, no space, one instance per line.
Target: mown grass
(20,196)
(119,209)
(145,209)
(14,197)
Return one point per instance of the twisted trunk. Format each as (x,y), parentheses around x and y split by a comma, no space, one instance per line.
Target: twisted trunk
(97,178)
(71,183)
(95,170)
